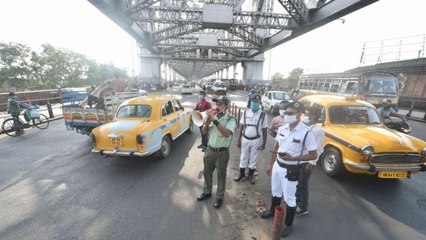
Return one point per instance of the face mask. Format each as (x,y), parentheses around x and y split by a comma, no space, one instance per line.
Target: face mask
(282,113)
(290,119)
(200,97)
(306,119)
(254,106)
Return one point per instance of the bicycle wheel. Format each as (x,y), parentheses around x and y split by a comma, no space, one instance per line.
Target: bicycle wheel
(9,128)
(42,122)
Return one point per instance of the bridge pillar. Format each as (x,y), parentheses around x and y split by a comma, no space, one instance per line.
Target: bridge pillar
(253,70)
(150,67)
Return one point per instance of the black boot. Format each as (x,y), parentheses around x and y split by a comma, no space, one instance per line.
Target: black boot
(241,176)
(288,222)
(251,176)
(276,201)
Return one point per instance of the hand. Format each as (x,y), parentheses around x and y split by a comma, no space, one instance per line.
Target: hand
(285,156)
(211,113)
(269,170)
(308,168)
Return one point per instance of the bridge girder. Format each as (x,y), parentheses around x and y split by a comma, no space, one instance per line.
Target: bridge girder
(173,32)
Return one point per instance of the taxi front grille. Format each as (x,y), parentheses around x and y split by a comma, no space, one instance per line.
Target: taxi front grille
(397,158)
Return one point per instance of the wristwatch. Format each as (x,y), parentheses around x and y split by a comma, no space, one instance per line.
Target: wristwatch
(215,122)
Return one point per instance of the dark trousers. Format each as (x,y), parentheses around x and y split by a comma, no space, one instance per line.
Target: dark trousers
(302,192)
(204,138)
(16,124)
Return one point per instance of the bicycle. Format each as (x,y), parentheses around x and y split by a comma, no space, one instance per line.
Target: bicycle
(32,115)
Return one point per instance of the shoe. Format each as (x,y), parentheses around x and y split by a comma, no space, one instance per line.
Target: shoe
(300,212)
(200,146)
(267,214)
(203,196)
(286,230)
(251,179)
(218,203)
(240,176)
(204,149)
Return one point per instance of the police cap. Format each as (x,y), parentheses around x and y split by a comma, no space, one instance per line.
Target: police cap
(256,97)
(296,105)
(221,99)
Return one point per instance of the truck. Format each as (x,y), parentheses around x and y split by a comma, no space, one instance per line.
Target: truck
(79,113)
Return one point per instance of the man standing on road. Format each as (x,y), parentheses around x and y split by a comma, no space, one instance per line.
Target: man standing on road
(302,194)
(294,143)
(14,109)
(217,154)
(253,122)
(202,105)
(278,121)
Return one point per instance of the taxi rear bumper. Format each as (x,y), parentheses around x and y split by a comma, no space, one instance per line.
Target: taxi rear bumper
(120,153)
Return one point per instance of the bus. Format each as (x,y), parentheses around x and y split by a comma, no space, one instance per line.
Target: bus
(372,87)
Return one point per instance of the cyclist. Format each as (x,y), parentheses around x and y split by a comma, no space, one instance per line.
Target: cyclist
(14,109)
(386,109)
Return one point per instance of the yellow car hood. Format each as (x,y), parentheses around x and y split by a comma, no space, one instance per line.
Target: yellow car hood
(382,139)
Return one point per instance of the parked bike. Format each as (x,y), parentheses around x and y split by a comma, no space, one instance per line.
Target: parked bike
(33,118)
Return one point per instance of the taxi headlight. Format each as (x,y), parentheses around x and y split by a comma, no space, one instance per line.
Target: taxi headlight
(367,150)
(424,152)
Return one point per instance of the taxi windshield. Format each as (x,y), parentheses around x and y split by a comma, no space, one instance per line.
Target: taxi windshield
(134,111)
(353,115)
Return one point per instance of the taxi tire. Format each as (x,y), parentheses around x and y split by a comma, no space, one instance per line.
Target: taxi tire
(164,152)
(332,154)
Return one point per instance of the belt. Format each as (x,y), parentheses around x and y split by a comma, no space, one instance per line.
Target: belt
(283,165)
(251,138)
(218,149)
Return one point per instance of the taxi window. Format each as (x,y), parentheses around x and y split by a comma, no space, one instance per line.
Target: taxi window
(353,115)
(177,105)
(167,108)
(134,111)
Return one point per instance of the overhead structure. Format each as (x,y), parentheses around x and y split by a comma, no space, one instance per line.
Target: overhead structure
(200,37)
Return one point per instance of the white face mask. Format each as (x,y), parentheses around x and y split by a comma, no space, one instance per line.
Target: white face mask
(282,113)
(290,119)
(306,119)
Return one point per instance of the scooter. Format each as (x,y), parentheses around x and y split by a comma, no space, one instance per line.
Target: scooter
(397,124)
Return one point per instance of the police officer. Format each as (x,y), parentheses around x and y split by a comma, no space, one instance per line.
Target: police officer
(294,144)
(217,154)
(253,123)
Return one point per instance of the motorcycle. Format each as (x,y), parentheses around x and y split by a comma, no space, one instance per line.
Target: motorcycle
(397,124)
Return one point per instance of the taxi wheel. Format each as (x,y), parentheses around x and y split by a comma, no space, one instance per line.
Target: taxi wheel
(332,162)
(166,146)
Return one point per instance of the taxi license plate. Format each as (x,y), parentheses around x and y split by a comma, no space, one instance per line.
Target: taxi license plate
(116,141)
(393,174)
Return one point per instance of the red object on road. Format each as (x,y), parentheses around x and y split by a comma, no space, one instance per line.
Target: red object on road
(278,222)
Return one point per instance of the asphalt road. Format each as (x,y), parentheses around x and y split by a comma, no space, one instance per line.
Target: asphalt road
(52,187)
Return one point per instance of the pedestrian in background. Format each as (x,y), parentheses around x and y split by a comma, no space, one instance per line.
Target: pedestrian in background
(294,144)
(311,118)
(217,154)
(278,121)
(14,109)
(202,106)
(253,123)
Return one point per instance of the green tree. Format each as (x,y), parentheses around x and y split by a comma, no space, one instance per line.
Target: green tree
(294,77)
(278,81)
(14,68)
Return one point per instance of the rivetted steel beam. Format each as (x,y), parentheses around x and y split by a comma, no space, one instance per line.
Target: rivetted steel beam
(317,18)
(193,41)
(135,6)
(297,10)
(115,11)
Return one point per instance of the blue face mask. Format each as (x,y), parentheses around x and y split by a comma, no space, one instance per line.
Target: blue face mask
(254,105)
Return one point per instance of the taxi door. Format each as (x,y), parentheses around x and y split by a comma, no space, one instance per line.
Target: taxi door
(170,120)
(182,117)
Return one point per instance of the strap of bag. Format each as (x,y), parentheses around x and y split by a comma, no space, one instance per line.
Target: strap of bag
(303,144)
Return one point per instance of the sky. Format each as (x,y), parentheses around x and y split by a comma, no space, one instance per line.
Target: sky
(78,26)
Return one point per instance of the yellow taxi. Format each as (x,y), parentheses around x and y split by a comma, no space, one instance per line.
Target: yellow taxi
(143,126)
(357,141)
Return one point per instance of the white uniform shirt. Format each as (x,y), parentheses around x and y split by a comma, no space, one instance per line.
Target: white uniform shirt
(291,141)
(252,118)
(319,138)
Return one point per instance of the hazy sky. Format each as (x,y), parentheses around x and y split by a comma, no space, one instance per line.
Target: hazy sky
(77,25)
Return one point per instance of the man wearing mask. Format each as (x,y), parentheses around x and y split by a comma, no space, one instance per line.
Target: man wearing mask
(219,128)
(202,105)
(302,194)
(278,121)
(295,143)
(253,123)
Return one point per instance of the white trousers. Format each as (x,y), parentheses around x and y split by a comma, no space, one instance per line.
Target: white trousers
(281,185)
(249,152)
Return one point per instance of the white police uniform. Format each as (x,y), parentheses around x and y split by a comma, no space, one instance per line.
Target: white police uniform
(291,143)
(319,139)
(251,138)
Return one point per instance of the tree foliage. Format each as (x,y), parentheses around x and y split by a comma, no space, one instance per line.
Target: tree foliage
(290,82)
(22,69)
